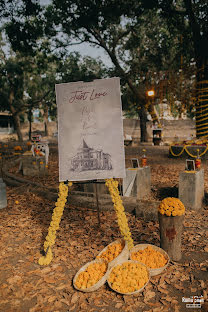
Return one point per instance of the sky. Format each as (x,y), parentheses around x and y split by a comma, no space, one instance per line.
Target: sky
(85,49)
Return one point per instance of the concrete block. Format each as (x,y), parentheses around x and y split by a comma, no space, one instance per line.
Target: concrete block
(143,182)
(136,184)
(33,166)
(147,209)
(3,195)
(129,184)
(191,188)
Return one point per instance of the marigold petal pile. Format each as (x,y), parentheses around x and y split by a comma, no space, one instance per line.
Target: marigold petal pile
(111,252)
(93,273)
(128,277)
(152,258)
(171,206)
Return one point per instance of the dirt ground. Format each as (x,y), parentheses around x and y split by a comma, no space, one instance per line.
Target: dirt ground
(27,287)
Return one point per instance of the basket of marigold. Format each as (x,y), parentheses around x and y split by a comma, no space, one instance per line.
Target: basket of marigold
(91,276)
(171,206)
(115,252)
(155,258)
(129,277)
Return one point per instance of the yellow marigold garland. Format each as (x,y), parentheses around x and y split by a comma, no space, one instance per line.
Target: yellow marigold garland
(171,206)
(119,208)
(54,225)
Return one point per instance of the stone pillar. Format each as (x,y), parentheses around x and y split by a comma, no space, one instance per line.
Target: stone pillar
(138,182)
(191,188)
(3,195)
(34,166)
(143,182)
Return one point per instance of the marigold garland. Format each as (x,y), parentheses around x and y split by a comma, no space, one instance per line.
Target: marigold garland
(185,148)
(54,225)
(119,208)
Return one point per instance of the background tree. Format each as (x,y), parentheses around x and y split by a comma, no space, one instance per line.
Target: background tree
(134,35)
(190,18)
(140,37)
(12,89)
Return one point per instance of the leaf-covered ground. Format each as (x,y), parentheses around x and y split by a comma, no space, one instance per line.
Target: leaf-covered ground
(25,286)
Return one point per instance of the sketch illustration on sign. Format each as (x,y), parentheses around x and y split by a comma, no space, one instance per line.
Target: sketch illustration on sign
(88,158)
(88,121)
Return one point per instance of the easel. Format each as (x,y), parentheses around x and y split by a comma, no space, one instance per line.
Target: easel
(96,195)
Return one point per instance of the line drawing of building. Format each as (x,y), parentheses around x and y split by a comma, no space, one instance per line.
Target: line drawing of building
(88,158)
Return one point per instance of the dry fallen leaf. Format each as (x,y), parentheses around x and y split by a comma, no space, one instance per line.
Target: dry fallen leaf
(49,280)
(74,298)
(118,305)
(205,294)
(163,291)
(149,295)
(51,299)
(202,284)
(178,287)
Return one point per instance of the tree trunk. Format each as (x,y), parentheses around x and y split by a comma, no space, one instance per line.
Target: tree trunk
(143,123)
(45,118)
(15,116)
(18,127)
(30,124)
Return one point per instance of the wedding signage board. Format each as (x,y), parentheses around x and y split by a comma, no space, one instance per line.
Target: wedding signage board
(90,130)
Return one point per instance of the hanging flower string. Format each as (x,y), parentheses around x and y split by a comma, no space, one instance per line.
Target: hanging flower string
(54,225)
(119,208)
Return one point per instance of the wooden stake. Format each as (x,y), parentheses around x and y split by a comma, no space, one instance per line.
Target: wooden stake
(170,235)
(97,201)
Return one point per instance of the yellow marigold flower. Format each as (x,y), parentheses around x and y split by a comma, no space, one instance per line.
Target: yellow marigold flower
(171,206)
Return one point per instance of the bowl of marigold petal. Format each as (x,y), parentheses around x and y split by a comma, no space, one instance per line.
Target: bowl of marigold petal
(155,258)
(115,252)
(91,276)
(129,277)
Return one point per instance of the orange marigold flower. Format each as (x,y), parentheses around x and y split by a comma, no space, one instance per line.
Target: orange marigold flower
(171,206)
(153,259)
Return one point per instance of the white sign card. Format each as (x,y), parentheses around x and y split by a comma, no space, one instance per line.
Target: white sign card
(90,130)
